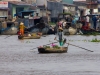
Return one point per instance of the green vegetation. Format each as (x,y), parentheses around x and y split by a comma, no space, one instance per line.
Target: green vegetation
(95,40)
(92,33)
(52,23)
(46,46)
(56,47)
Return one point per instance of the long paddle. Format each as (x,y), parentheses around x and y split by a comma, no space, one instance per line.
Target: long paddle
(77,46)
(80,47)
(44,45)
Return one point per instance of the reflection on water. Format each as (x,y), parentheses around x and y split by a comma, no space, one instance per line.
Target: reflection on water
(17,57)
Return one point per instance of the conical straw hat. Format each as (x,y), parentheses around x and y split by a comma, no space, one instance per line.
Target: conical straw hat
(60,28)
(21,23)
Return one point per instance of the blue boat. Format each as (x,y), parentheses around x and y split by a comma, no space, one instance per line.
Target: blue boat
(8,28)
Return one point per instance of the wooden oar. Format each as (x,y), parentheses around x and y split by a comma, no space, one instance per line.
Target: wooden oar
(80,47)
(77,46)
(44,45)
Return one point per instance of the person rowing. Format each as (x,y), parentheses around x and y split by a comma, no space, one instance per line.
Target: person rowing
(60,36)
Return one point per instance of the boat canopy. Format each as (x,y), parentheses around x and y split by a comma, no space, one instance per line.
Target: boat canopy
(26,13)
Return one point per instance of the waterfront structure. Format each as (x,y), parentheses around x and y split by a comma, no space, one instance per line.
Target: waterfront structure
(68,1)
(58,6)
(55,8)
(3,9)
(17,6)
(81,8)
(29,1)
(69,8)
(10,0)
(12,7)
(92,5)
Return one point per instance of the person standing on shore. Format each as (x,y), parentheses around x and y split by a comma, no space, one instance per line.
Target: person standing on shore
(87,20)
(94,19)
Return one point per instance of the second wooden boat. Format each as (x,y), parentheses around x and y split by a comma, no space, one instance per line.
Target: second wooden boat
(29,37)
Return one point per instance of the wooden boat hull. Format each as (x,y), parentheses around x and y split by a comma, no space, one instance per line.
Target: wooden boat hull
(38,33)
(29,37)
(61,50)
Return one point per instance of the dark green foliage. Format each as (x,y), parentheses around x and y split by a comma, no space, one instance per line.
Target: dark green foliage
(52,23)
(57,47)
(92,33)
(95,40)
(46,46)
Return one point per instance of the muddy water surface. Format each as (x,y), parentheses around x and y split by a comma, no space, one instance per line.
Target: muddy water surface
(17,57)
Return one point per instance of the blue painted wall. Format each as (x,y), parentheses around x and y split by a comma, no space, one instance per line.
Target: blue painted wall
(68,1)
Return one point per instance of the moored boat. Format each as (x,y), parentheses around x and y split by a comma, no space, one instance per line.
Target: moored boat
(9,31)
(8,28)
(53,50)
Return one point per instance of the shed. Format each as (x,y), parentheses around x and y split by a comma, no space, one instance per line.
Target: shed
(17,6)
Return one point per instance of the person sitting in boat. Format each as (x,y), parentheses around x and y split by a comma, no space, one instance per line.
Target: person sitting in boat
(21,28)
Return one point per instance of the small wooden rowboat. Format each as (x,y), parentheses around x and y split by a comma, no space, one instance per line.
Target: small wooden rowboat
(53,50)
(29,37)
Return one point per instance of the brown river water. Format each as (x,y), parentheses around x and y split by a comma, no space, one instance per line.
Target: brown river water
(17,57)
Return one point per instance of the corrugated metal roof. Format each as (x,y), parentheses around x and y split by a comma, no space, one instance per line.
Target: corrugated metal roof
(67,4)
(41,6)
(68,1)
(33,8)
(27,11)
(80,3)
(19,3)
